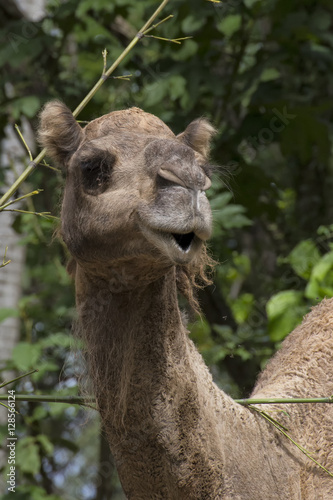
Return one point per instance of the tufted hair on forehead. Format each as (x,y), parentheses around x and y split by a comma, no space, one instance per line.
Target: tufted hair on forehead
(133,120)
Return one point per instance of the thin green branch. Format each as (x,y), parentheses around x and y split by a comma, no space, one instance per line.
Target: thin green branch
(104,55)
(39,398)
(4,261)
(3,404)
(245,402)
(155,25)
(15,380)
(45,215)
(267,401)
(281,429)
(45,164)
(123,77)
(122,56)
(23,140)
(173,40)
(33,164)
(37,191)
(31,167)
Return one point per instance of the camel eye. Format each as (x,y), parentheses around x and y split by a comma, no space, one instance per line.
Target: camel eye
(89,166)
(96,172)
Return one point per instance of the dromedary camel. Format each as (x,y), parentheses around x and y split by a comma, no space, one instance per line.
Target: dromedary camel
(135,218)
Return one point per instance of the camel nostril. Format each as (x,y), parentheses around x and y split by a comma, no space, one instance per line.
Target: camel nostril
(171,176)
(184,240)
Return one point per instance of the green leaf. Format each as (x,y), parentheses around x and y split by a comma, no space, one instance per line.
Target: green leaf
(192,23)
(221,200)
(86,5)
(46,444)
(242,353)
(25,355)
(321,269)
(269,74)
(27,106)
(176,86)
(27,455)
(57,339)
(321,280)
(39,413)
(242,263)
(187,50)
(7,312)
(57,409)
(303,258)
(154,93)
(28,492)
(93,30)
(200,334)
(284,310)
(242,307)
(250,3)
(320,20)
(232,216)
(230,24)
(279,303)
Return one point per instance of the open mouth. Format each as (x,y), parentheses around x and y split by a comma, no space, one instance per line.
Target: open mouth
(179,247)
(184,240)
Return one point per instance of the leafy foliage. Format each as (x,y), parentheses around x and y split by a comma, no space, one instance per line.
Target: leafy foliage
(261,71)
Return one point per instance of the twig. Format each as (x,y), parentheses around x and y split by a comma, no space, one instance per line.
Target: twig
(282,429)
(42,398)
(122,56)
(104,54)
(4,261)
(267,401)
(155,25)
(123,77)
(245,402)
(16,379)
(37,191)
(24,142)
(174,40)
(50,166)
(33,164)
(39,398)
(46,215)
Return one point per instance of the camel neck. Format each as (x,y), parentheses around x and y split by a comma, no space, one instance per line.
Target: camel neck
(132,337)
(150,310)
(167,423)
(148,378)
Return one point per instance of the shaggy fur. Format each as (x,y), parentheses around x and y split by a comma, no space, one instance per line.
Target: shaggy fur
(173,433)
(64,143)
(198,135)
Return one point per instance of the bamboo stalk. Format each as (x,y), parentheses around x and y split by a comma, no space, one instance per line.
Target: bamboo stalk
(33,164)
(39,398)
(7,382)
(267,401)
(81,400)
(283,430)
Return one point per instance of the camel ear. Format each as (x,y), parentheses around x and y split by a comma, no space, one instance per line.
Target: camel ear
(59,132)
(198,135)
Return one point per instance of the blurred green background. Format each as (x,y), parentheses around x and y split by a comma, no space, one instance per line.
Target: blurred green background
(261,71)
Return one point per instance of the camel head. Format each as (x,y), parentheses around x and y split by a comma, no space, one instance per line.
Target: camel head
(134,190)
